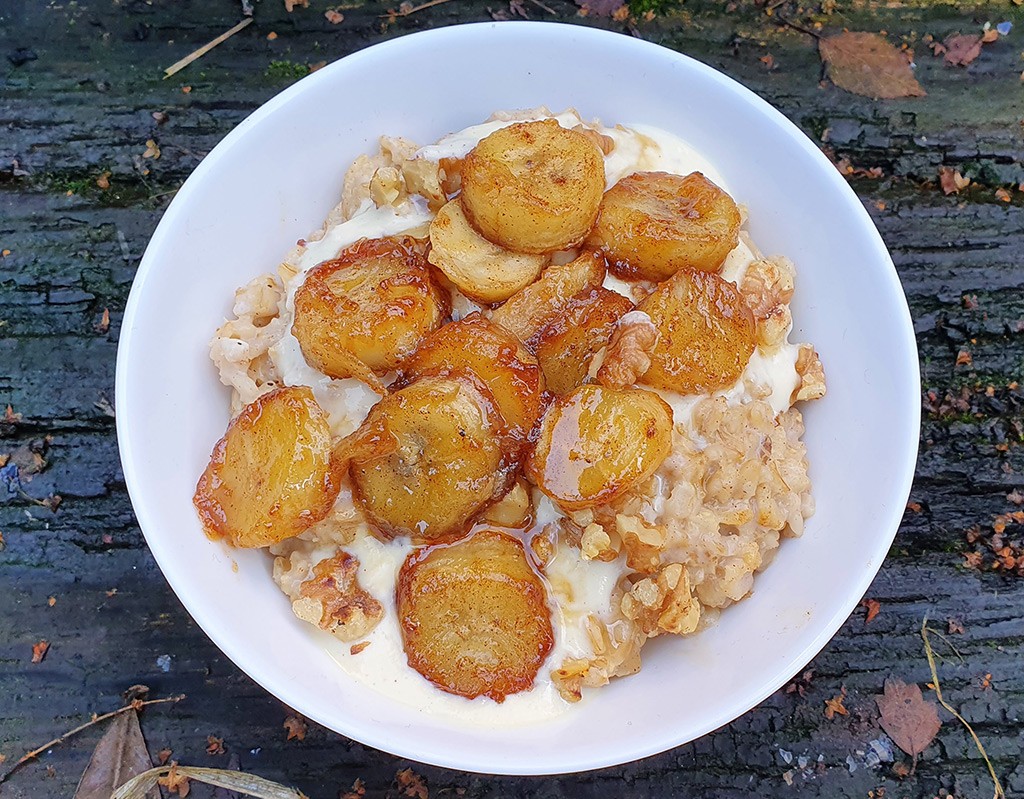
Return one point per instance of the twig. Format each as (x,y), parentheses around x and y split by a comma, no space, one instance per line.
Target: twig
(547,8)
(948,643)
(136,705)
(794,26)
(999,793)
(177,66)
(414,9)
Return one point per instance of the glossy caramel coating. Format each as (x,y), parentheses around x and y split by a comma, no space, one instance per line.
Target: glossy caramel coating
(369,308)
(474,616)
(597,443)
(273,474)
(652,224)
(706,333)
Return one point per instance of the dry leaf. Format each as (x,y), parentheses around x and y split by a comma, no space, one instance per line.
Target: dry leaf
(963,358)
(1016,497)
(411,784)
(271,36)
(835,707)
(1003,195)
(296,727)
(152,150)
(357,791)
(120,755)
(867,64)
(163,756)
(214,745)
(291,5)
(873,606)
(39,651)
(962,49)
(104,324)
(952,181)
(911,722)
(954,626)
(10,417)
(175,782)
(51,601)
(334,16)
(600,8)
(103,181)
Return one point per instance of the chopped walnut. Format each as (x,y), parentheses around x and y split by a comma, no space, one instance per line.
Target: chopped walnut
(606,144)
(663,603)
(812,375)
(511,510)
(387,187)
(596,544)
(641,542)
(616,648)
(772,330)
(543,546)
(333,600)
(451,175)
(356,191)
(627,357)
(423,177)
(767,284)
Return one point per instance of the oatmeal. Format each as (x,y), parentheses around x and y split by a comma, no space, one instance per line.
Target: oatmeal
(523,403)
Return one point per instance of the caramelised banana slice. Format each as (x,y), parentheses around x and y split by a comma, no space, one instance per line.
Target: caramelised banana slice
(527,311)
(568,342)
(483,271)
(597,443)
(533,186)
(272,475)
(479,349)
(427,459)
(706,333)
(368,308)
(653,223)
(474,616)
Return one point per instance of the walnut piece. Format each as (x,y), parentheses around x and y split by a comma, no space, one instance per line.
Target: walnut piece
(812,375)
(663,603)
(332,599)
(603,143)
(767,284)
(641,542)
(628,355)
(512,509)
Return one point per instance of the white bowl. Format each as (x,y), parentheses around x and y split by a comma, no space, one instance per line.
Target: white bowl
(273,179)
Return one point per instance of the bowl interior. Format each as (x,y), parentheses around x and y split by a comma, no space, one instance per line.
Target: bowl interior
(274,179)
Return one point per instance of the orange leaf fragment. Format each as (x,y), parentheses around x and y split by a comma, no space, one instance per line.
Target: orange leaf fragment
(873,607)
(175,782)
(835,707)
(296,727)
(214,745)
(868,65)
(39,651)
(963,358)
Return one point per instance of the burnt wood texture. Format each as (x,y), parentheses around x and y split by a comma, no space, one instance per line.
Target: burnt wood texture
(80,83)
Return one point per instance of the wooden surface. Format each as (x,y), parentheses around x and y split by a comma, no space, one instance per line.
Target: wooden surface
(85,107)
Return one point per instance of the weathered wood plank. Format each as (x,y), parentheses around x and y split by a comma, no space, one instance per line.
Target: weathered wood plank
(85,107)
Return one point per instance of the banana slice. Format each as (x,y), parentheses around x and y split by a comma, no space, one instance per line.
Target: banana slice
(652,224)
(597,443)
(706,333)
(272,475)
(478,349)
(474,616)
(483,271)
(369,308)
(427,459)
(527,311)
(533,186)
(568,342)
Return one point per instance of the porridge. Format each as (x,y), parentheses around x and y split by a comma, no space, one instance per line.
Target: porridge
(524,402)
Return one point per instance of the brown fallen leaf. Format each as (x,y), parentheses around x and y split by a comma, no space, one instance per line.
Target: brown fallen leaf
(175,782)
(152,150)
(914,507)
(954,626)
(963,358)
(104,324)
(291,5)
(214,745)
(1003,195)
(357,791)
(39,650)
(835,707)
(411,784)
(10,416)
(961,49)
(868,65)
(163,756)
(952,181)
(103,181)
(907,718)
(873,607)
(51,601)
(1016,497)
(120,755)
(296,727)
(334,16)
(599,8)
